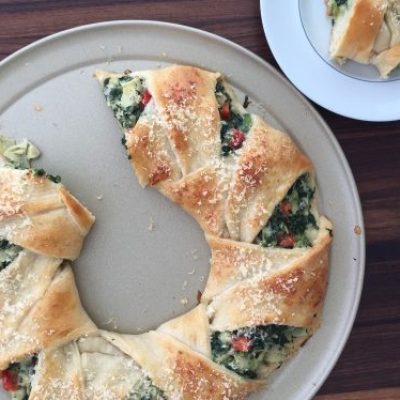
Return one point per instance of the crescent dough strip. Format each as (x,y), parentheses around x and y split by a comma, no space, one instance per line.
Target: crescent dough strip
(192,329)
(58,374)
(233,261)
(186,100)
(40,215)
(291,296)
(56,318)
(22,284)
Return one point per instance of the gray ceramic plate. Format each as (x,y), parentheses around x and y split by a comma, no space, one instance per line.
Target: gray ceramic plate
(145,258)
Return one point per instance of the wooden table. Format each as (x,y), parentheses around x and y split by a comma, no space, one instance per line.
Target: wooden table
(369,367)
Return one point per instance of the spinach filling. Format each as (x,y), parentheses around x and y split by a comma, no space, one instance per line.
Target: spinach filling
(235,124)
(124,95)
(292,223)
(17,378)
(8,253)
(145,390)
(336,7)
(246,350)
(42,172)
(17,154)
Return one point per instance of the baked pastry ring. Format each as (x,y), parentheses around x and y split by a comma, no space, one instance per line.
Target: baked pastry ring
(252,191)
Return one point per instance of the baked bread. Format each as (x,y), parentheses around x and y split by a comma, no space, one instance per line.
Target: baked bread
(253,192)
(357,24)
(51,316)
(366,31)
(41,215)
(387,61)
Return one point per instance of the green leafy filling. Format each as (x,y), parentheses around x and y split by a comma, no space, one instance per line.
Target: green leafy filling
(235,124)
(8,253)
(17,154)
(246,350)
(336,7)
(145,390)
(292,223)
(124,95)
(42,172)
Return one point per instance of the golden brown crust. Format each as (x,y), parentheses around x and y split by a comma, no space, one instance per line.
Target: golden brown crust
(233,261)
(40,215)
(202,194)
(22,284)
(192,329)
(185,98)
(358,39)
(292,296)
(268,166)
(186,374)
(81,215)
(58,375)
(150,153)
(387,61)
(57,318)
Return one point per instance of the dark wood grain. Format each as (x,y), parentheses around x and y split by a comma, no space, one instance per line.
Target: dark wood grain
(371,360)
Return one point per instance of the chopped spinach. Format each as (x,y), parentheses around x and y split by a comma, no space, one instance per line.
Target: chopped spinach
(234,123)
(124,95)
(42,172)
(17,153)
(145,390)
(8,253)
(292,221)
(247,349)
(54,178)
(246,101)
(335,7)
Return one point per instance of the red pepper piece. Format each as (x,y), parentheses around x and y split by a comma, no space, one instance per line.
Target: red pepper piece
(286,208)
(225,112)
(287,241)
(237,140)
(146,97)
(241,343)
(9,380)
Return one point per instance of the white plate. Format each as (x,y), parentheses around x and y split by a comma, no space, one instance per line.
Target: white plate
(127,273)
(298,35)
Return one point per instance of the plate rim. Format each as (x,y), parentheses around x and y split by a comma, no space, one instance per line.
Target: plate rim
(297,78)
(322,376)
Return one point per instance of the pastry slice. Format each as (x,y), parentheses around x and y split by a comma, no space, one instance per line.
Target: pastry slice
(55,318)
(357,24)
(171,122)
(233,261)
(88,368)
(192,329)
(392,18)
(57,375)
(41,215)
(387,61)
(24,280)
(180,102)
(184,373)
(267,166)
